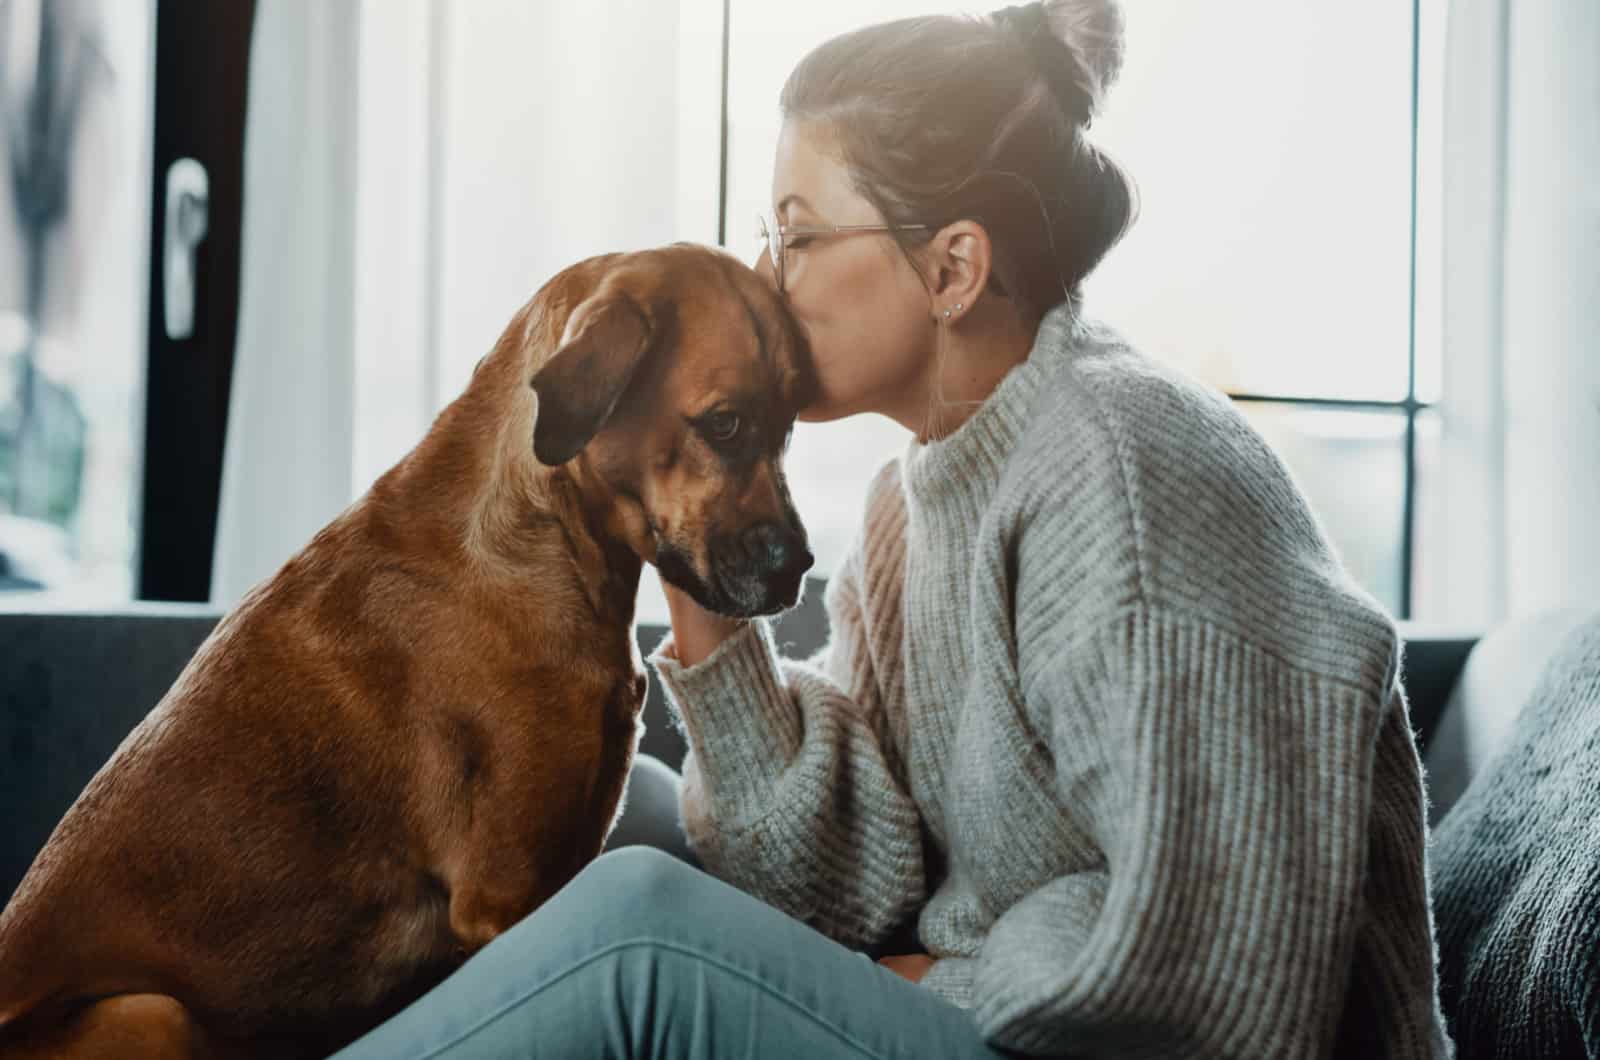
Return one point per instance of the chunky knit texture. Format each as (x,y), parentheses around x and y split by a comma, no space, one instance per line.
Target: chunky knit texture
(1104,712)
(1517,864)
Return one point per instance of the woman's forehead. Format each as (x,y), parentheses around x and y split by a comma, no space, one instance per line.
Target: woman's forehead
(808,177)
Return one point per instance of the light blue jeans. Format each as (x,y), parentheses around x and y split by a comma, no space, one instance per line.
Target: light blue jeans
(644,955)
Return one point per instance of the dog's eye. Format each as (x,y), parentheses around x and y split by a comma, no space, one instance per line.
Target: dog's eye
(723,426)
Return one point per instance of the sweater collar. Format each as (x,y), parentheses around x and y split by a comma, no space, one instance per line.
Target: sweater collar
(971,456)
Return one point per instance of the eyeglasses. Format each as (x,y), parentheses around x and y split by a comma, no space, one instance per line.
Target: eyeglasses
(780,237)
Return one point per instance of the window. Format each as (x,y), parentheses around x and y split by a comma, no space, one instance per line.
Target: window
(72,292)
(1273,143)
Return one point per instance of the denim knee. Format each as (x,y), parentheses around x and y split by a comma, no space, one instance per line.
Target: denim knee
(635,887)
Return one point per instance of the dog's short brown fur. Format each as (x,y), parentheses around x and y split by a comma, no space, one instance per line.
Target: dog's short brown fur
(420,728)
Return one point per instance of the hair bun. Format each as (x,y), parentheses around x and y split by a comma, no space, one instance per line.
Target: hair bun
(1093,31)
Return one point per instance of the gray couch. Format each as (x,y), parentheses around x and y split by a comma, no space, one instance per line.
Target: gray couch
(72,684)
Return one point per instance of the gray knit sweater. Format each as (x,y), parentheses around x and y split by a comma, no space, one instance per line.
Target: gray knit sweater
(1103,710)
(1518,876)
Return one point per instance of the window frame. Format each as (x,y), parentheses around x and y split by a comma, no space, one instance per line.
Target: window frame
(1411,406)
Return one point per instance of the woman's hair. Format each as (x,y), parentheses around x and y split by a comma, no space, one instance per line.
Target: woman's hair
(947,117)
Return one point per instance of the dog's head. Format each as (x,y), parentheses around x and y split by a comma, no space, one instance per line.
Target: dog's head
(675,383)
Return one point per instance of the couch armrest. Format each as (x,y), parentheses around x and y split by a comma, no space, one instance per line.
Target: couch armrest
(1433,662)
(1496,683)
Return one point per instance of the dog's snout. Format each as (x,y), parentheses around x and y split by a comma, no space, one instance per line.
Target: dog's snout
(775,548)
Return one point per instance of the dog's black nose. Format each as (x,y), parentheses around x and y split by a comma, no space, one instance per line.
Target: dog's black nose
(773,548)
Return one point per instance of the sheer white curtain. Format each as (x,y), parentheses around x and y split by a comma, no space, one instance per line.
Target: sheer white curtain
(1521,308)
(415,170)
(287,461)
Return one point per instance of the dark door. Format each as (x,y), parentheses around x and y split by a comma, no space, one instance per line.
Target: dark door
(201,66)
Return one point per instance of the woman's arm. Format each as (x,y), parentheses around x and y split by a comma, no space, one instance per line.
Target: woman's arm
(1231,794)
(789,792)
(696,632)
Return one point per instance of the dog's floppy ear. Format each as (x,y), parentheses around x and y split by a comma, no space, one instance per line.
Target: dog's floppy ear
(579,386)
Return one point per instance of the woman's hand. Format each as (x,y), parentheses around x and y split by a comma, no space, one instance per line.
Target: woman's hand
(696,632)
(912,966)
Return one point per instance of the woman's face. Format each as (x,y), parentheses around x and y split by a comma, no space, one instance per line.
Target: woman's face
(863,308)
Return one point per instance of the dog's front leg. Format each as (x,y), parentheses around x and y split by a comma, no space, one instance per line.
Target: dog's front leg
(506,874)
(531,798)
(480,911)
(524,842)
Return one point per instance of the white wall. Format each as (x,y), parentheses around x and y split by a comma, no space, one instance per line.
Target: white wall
(1520,528)
(1468,534)
(1551,326)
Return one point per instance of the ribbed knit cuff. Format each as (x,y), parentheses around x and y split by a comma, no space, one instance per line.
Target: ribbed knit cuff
(739,719)
(951,978)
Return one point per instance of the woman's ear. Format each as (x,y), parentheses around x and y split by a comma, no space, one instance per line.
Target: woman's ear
(961,262)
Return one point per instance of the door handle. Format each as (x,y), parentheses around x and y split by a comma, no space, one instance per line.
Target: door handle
(188,202)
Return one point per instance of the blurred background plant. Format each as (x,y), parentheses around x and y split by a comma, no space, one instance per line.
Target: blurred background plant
(50,59)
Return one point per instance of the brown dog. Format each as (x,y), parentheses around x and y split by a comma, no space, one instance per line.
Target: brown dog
(420,728)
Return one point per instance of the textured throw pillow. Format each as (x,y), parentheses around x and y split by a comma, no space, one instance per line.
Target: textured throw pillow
(1516,875)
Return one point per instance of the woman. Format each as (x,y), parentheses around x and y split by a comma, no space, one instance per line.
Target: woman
(1106,745)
